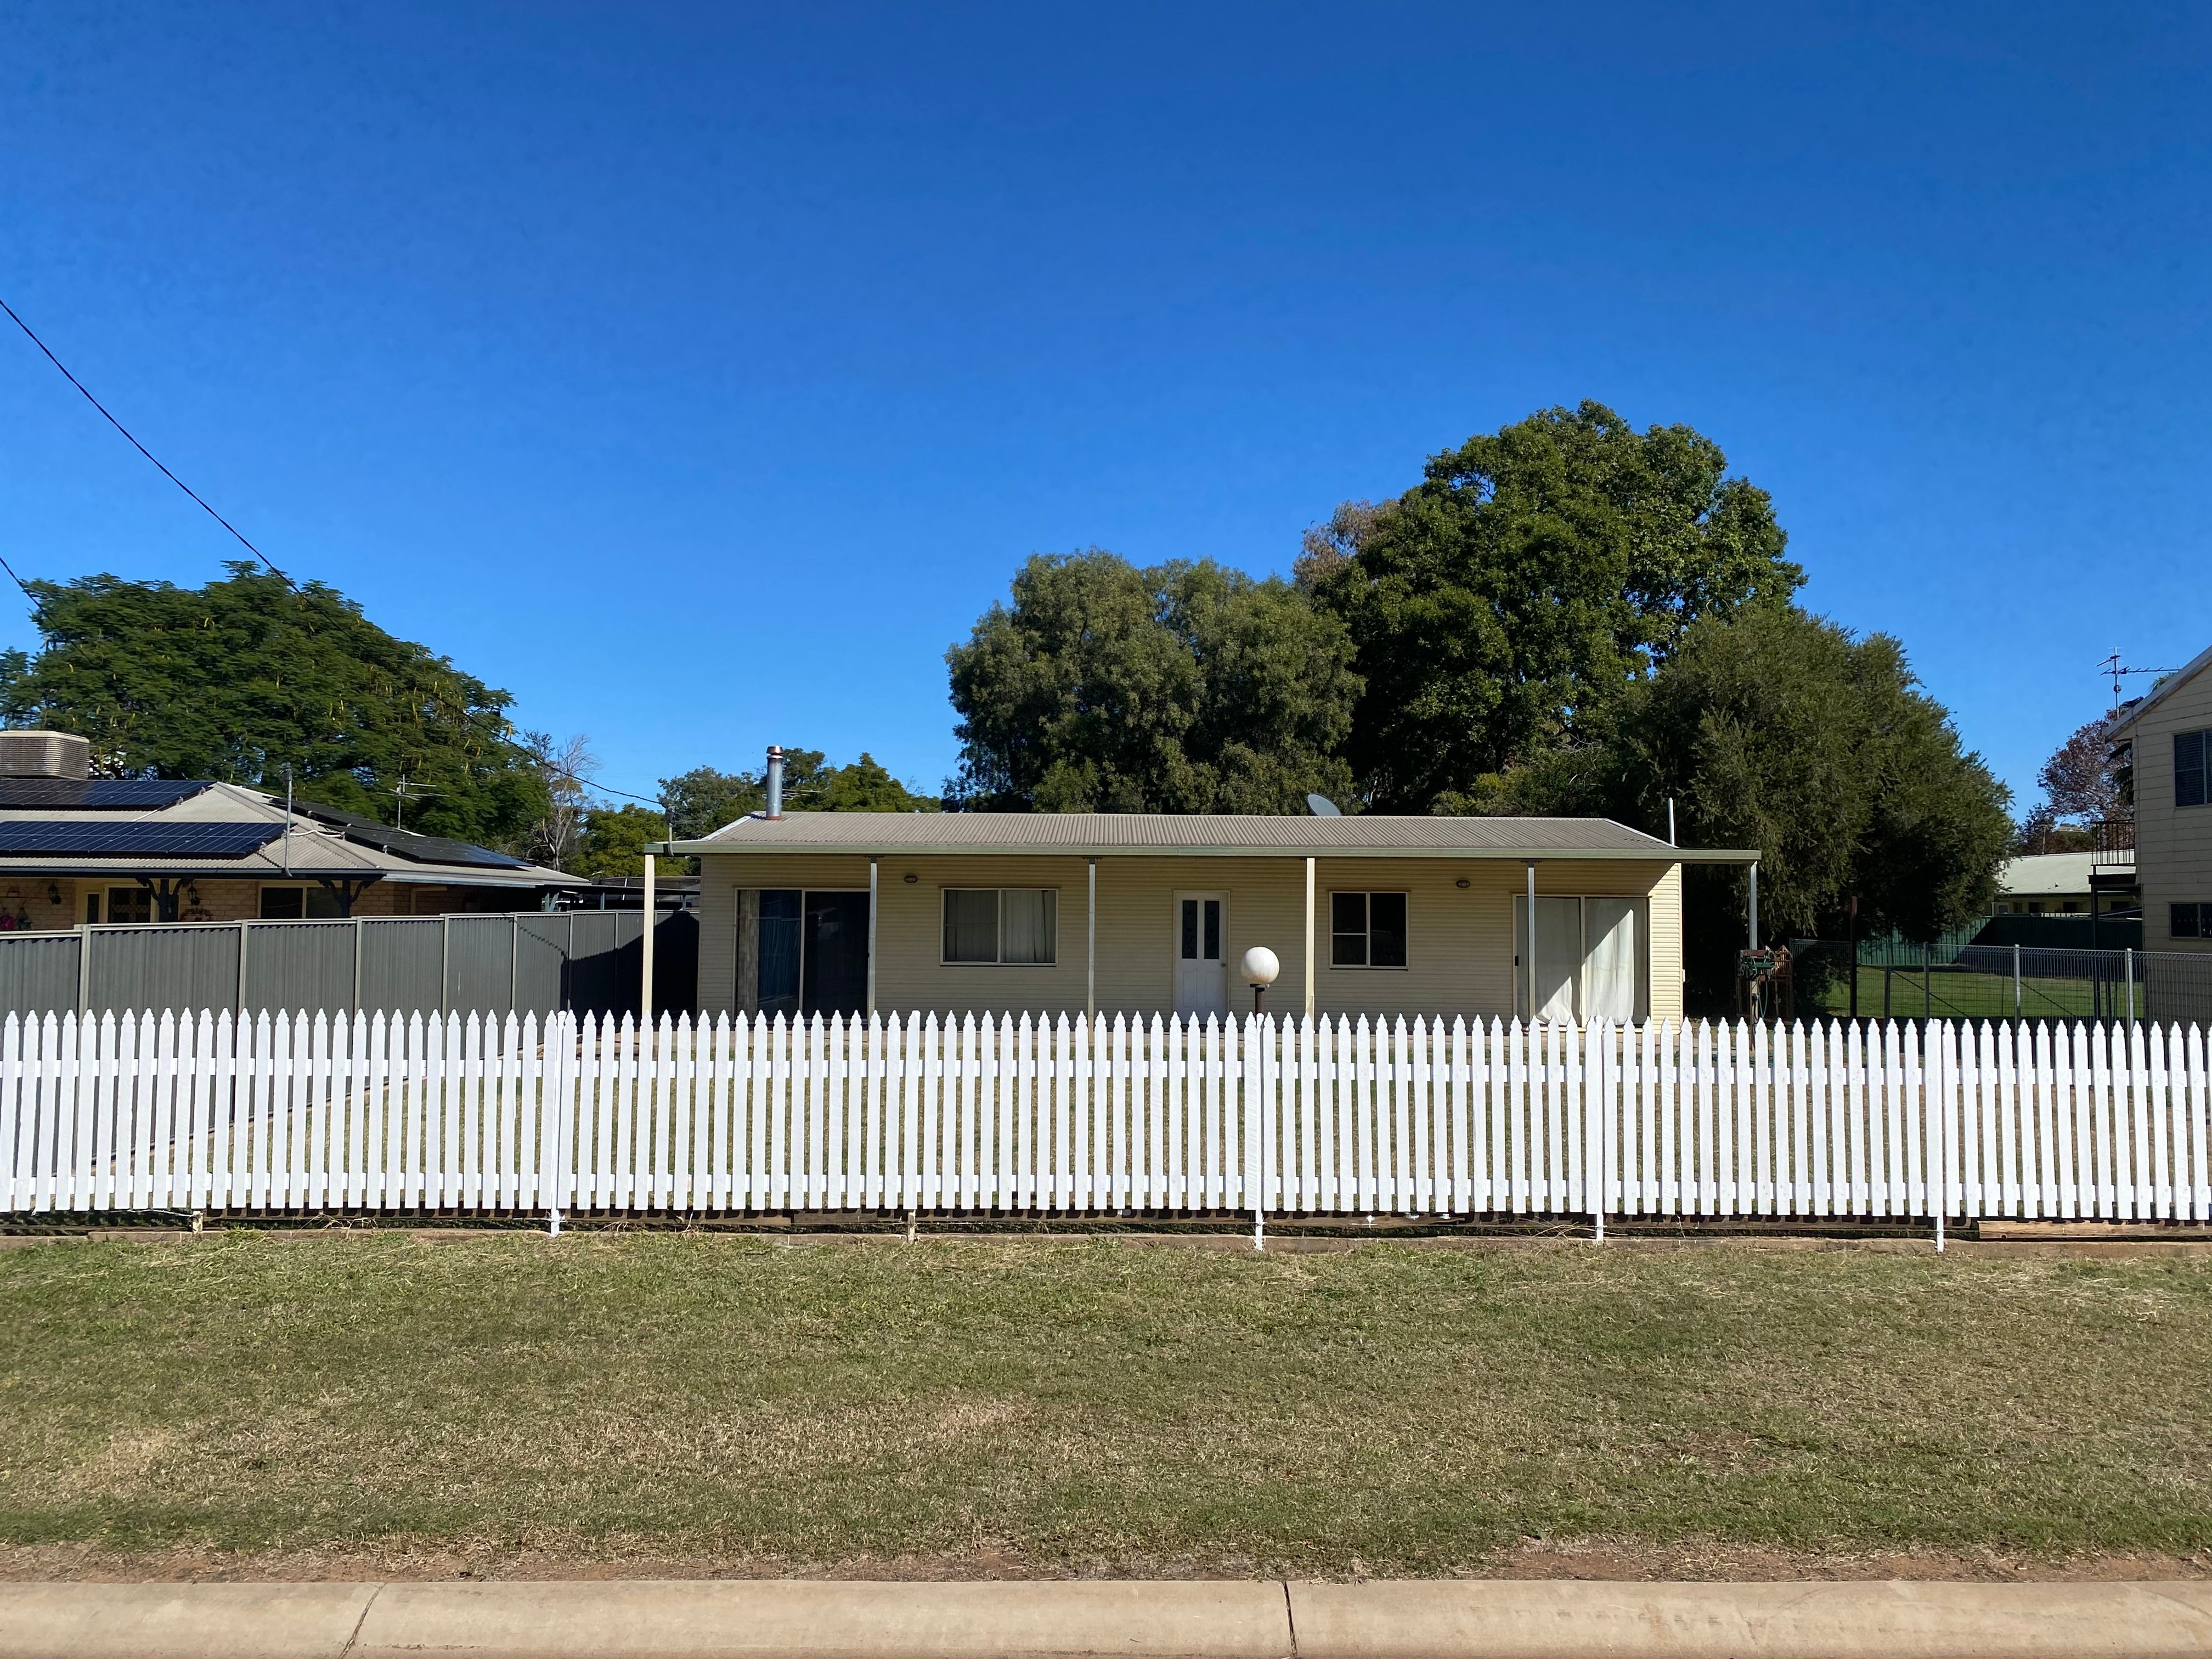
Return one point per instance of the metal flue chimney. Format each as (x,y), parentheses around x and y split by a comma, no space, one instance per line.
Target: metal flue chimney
(774,781)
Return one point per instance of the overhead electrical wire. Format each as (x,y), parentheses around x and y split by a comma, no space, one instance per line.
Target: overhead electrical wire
(30,334)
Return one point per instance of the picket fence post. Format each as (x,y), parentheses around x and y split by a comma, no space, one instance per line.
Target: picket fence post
(558,1160)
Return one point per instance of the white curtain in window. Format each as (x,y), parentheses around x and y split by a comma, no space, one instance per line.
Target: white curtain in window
(1026,922)
(1558,955)
(1609,967)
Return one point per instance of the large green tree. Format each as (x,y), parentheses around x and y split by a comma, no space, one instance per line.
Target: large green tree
(235,680)
(697,802)
(1183,687)
(1532,575)
(1780,731)
(703,799)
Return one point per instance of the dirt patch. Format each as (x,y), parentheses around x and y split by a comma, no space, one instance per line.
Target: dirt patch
(1592,1559)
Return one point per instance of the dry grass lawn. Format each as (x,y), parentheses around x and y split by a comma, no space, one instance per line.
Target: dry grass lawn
(1090,1406)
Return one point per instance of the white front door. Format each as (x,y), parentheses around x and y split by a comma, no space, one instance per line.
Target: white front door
(1201,932)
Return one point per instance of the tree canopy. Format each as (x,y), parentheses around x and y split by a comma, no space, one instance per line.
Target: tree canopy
(2082,785)
(1781,731)
(1532,575)
(1183,687)
(703,799)
(614,841)
(699,802)
(234,680)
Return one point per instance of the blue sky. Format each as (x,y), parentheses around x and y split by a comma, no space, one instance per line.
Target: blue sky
(699,374)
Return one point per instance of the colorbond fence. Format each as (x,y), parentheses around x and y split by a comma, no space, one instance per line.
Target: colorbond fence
(590,1116)
(576,961)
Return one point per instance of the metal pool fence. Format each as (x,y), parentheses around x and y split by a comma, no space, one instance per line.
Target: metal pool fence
(2003,981)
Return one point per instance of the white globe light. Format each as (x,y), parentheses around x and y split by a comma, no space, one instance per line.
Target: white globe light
(1261,966)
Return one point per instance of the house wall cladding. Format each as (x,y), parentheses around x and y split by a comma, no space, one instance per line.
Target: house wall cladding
(584,961)
(2173,844)
(1460,943)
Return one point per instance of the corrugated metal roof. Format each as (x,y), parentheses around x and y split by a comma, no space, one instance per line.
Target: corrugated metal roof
(2043,873)
(1163,834)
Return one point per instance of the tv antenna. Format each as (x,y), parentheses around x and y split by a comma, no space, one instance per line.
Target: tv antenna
(407,792)
(2112,666)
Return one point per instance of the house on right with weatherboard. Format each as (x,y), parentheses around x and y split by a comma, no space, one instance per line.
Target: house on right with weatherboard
(2168,735)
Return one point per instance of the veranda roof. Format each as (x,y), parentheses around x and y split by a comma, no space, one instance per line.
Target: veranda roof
(1095,835)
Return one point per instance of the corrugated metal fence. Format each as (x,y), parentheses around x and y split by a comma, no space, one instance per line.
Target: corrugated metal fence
(582,961)
(375,1114)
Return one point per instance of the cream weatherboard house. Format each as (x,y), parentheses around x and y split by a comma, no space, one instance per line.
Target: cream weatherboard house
(2170,735)
(1051,913)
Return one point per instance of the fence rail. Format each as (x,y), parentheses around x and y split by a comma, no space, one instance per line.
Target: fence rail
(210,1113)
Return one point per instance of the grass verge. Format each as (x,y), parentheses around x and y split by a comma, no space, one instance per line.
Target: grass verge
(1091,1407)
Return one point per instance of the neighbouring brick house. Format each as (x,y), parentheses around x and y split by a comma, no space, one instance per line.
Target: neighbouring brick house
(77,850)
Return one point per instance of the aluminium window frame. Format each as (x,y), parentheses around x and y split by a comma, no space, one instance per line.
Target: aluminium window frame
(944,960)
(799,968)
(1370,966)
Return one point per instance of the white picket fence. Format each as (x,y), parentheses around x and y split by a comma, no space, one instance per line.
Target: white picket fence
(366,1114)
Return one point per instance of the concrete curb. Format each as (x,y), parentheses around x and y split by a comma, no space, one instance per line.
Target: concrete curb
(1073,1619)
(1868,1620)
(181,1621)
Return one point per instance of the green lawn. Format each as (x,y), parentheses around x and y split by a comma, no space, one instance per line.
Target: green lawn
(1093,1406)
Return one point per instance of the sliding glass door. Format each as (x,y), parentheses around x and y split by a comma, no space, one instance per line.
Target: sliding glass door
(813,952)
(1590,961)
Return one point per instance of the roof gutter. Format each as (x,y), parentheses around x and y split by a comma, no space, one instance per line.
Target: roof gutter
(1659,852)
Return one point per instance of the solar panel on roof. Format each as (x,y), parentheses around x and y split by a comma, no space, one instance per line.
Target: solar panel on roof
(98,795)
(72,837)
(409,843)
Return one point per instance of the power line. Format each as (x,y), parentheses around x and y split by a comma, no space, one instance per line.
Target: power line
(141,449)
(31,335)
(578,778)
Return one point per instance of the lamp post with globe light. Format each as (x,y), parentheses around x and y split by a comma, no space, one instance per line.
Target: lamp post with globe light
(1259,967)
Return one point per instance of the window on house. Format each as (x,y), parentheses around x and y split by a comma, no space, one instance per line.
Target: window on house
(315,904)
(1012,925)
(129,904)
(1367,930)
(2191,922)
(2192,762)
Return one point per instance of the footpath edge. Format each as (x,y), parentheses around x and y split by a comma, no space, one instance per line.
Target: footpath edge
(817,1619)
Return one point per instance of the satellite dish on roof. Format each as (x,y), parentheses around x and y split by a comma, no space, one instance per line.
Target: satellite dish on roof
(1322,807)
